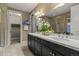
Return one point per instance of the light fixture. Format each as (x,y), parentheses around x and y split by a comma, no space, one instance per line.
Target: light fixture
(37,13)
(59,5)
(41,14)
(14,13)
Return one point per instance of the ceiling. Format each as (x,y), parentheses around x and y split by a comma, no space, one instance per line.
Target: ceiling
(65,8)
(27,7)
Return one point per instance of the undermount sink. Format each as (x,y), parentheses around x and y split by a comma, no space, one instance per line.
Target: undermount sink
(59,38)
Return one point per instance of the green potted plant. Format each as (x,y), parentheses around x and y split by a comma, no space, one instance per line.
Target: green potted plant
(45,28)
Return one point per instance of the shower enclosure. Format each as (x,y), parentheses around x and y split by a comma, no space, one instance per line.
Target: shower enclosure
(3,25)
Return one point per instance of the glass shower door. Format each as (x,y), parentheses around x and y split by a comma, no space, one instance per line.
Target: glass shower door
(3,25)
(0,27)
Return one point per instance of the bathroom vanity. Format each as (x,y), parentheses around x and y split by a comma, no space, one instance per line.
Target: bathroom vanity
(42,45)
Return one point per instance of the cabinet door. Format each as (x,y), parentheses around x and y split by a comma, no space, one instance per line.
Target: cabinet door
(37,47)
(47,51)
(48,48)
(29,41)
(32,43)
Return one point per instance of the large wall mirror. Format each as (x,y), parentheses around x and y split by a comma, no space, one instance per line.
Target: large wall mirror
(59,17)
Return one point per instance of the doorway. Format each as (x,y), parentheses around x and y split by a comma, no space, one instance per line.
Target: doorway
(15,33)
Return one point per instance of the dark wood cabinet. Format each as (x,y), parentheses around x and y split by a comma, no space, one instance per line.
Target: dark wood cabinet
(41,47)
(37,47)
(34,45)
(31,43)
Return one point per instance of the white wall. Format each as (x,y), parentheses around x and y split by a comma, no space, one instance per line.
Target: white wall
(13,19)
(75,20)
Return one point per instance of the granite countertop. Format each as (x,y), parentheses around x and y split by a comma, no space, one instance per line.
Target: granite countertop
(70,43)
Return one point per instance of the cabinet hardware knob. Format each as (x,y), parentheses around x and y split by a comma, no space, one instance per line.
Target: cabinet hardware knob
(52,53)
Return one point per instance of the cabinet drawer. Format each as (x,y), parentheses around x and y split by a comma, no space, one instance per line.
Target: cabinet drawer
(47,43)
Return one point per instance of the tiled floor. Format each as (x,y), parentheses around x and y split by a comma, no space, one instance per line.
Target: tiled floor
(17,49)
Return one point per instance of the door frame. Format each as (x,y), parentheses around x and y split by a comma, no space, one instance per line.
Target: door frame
(9,30)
